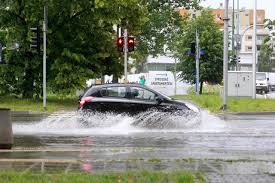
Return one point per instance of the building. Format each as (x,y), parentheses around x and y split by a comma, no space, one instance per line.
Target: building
(245,30)
(159,63)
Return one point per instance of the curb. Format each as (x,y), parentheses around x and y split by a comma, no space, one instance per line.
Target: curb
(28,116)
(248,113)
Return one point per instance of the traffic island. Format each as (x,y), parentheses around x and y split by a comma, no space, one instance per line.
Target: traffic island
(6,135)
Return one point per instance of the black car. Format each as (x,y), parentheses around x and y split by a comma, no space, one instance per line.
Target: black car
(127,98)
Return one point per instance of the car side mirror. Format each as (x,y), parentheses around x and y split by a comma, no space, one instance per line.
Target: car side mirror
(159,100)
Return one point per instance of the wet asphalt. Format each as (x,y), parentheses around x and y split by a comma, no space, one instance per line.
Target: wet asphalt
(238,149)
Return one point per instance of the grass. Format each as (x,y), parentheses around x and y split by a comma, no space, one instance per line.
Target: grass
(127,177)
(211,100)
(54,103)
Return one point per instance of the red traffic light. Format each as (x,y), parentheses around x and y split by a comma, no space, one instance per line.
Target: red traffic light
(131,43)
(120,43)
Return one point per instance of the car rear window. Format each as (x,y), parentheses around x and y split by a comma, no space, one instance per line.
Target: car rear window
(91,92)
(113,92)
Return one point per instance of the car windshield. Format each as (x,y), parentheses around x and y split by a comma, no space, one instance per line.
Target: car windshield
(168,98)
(261,76)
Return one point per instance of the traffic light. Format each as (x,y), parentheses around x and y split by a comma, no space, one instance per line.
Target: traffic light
(193,48)
(120,44)
(35,38)
(131,44)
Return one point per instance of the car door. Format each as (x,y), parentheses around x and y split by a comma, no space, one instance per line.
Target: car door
(114,99)
(142,99)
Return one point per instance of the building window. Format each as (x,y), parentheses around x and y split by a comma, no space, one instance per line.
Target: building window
(248,38)
(249,48)
(258,47)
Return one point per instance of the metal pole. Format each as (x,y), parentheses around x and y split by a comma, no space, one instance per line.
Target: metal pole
(254,51)
(197,63)
(238,33)
(44,57)
(125,54)
(175,77)
(225,56)
(233,31)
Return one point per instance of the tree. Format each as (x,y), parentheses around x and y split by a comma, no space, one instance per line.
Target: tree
(157,35)
(80,42)
(267,48)
(21,72)
(265,61)
(211,41)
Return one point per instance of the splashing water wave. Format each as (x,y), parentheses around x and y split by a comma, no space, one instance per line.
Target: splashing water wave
(78,124)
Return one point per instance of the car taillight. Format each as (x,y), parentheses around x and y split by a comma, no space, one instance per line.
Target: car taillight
(85,100)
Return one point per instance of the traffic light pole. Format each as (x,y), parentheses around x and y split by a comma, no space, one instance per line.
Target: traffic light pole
(125,54)
(44,57)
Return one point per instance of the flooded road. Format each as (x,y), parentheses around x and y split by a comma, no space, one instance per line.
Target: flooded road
(242,146)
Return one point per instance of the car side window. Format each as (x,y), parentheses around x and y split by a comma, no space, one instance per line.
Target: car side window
(113,92)
(142,94)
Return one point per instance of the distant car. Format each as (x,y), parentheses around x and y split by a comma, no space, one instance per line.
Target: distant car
(127,98)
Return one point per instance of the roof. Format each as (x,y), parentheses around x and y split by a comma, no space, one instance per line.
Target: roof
(161,59)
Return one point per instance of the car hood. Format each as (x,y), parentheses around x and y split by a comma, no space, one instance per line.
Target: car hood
(186,104)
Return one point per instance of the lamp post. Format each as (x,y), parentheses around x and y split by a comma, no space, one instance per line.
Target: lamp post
(254,60)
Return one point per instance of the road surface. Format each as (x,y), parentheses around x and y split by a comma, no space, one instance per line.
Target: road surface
(237,149)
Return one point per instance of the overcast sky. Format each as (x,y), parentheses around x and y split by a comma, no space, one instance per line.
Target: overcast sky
(268,5)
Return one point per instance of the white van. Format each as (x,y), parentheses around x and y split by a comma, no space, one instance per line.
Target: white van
(265,82)
(271,76)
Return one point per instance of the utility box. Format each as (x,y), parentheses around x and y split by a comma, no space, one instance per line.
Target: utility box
(240,83)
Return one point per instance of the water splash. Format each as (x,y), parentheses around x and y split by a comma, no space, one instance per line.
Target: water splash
(159,120)
(82,124)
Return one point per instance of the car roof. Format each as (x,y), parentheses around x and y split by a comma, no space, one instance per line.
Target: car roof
(119,84)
